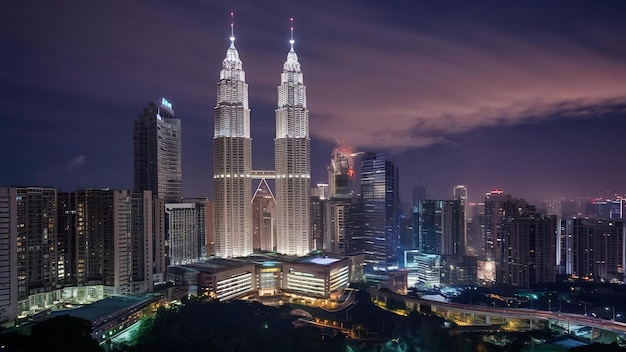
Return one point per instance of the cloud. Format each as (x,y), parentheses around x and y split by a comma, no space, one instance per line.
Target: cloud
(76,163)
(430,88)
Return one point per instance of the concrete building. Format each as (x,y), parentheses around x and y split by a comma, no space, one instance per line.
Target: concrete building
(292,161)
(182,233)
(531,251)
(232,160)
(29,250)
(158,152)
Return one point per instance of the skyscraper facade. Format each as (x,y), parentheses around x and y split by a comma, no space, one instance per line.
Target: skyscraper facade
(593,249)
(531,251)
(440,227)
(292,161)
(377,233)
(158,152)
(28,254)
(232,160)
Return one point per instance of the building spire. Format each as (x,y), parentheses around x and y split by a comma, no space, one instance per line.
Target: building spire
(232,29)
(291,41)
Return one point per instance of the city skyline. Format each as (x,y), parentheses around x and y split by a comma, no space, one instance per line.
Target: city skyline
(524,97)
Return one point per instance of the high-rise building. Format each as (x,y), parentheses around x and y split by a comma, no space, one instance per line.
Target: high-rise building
(341,172)
(531,250)
(66,235)
(593,249)
(204,217)
(182,233)
(476,230)
(500,209)
(28,255)
(377,233)
(460,193)
(158,152)
(114,239)
(440,227)
(232,160)
(292,161)
(337,207)
(263,214)
(318,212)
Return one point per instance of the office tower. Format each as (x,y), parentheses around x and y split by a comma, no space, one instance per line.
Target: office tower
(263,214)
(28,255)
(157,152)
(292,161)
(440,227)
(377,233)
(232,160)
(531,251)
(593,249)
(318,212)
(182,232)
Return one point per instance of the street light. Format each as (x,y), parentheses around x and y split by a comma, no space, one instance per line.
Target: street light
(607,308)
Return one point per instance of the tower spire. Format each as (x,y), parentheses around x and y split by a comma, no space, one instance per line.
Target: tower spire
(232,29)
(291,41)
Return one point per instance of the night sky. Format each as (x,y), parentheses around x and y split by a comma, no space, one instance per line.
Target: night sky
(527,96)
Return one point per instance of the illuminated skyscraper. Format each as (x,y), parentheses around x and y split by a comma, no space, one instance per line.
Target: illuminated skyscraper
(292,158)
(157,152)
(232,160)
(374,222)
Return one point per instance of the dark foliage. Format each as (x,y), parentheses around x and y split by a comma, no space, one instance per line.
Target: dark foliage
(236,326)
(63,333)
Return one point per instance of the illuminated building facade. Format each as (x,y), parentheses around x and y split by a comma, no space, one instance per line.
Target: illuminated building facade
(158,152)
(500,209)
(374,221)
(263,215)
(232,160)
(593,249)
(423,269)
(292,161)
(28,255)
(316,276)
(182,234)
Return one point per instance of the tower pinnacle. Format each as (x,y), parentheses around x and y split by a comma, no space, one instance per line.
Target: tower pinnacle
(232,29)
(291,41)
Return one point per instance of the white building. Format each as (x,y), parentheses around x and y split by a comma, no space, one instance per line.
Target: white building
(232,160)
(292,161)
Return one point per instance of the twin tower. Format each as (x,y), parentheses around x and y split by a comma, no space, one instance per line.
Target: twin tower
(232,160)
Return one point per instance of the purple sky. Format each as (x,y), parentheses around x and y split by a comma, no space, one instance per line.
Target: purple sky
(527,96)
